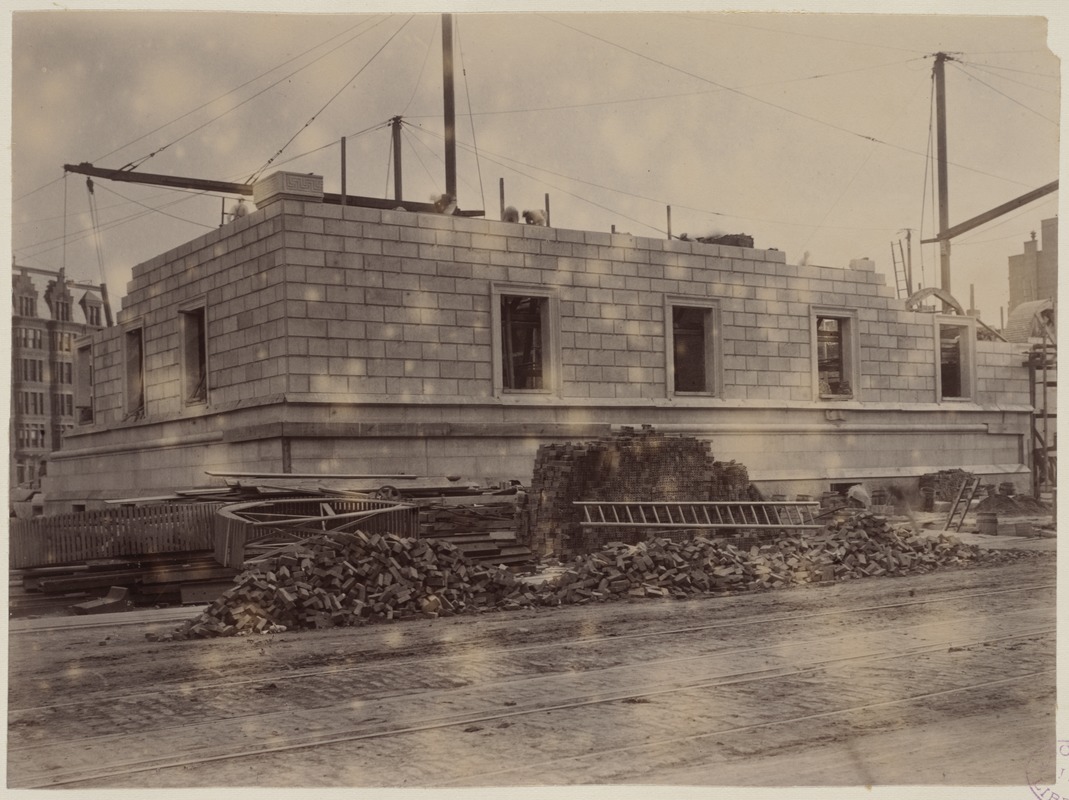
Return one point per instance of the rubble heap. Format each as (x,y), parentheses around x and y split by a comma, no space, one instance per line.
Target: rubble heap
(629,465)
(342,579)
(1020,505)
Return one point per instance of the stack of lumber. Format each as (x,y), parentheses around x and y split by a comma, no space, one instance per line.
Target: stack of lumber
(343,579)
(482,527)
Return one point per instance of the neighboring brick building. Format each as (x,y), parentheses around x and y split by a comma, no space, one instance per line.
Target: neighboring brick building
(306,337)
(43,331)
(1034,273)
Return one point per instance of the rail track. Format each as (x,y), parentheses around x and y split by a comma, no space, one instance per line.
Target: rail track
(712,666)
(461,648)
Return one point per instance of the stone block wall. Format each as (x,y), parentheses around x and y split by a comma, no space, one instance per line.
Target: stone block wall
(354,304)
(363,340)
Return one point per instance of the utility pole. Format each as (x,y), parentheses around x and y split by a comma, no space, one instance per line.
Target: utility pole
(343,171)
(939,72)
(449,108)
(395,123)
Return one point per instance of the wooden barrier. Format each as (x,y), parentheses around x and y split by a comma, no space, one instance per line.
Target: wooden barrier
(113,532)
(237,526)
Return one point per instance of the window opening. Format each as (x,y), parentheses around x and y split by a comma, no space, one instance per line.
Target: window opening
(951,374)
(522,342)
(135,374)
(689,339)
(195,356)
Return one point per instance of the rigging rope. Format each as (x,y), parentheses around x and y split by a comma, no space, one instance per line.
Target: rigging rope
(133,165)
(333,97)
(471,120)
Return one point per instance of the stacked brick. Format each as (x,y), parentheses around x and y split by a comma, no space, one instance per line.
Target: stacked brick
(945,484)
(866,546)
(343,579)
(632,465)
(353,579)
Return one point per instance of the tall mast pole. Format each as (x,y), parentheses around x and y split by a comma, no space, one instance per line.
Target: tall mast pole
(449,107)
(395,123)
(941,155)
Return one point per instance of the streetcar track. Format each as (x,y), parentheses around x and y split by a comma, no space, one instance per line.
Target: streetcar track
(676,740)
(187,687)
(470,718)
(749,650)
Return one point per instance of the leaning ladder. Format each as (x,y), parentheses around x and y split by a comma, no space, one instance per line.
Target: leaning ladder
(961,502)
(699,515)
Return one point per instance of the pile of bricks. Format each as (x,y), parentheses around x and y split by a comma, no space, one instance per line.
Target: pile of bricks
(342,579)
(945,484)
(865,546)
(630,465)
(345,579)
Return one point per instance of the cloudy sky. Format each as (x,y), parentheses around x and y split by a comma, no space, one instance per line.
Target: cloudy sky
(811,132)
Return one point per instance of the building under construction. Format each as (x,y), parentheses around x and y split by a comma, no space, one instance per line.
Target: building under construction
(321,337)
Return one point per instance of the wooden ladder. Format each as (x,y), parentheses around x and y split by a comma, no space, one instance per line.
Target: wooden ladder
(699,515)
(961,503)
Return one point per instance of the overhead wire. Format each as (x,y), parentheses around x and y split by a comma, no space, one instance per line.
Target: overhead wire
(927,163)
(97,239)
(846,187)
(135,164)
(668,96)
(986,68)
(554,186)
(471,120)
(769,103)
(719,19)
(505,161)
(157,210)
(419,78)
(408,137)
(333,97)
(972,77)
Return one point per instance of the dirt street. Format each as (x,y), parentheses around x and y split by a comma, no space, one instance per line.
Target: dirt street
(946,678)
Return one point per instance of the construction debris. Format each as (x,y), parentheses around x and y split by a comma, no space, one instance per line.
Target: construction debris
(945,484)
(1020,505)
(345,579)
(630,465)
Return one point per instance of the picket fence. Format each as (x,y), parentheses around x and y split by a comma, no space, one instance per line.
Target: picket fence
(113,532)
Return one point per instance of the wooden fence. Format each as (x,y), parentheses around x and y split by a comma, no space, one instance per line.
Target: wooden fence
(237,527)
(119,531)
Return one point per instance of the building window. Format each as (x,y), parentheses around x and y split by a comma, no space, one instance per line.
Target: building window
(62,310)
(693,357)
(31,436)
(835,351)
(62,405)
(92,314)
(30,403)
(956,354)
(28,338)
(64,372)
(31,370)
(27,306)
(523,342)
(83,386)
(525,322)
(134,360)
(194,356)
(62,341)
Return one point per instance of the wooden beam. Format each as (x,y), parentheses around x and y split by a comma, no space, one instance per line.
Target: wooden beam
(998,211)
